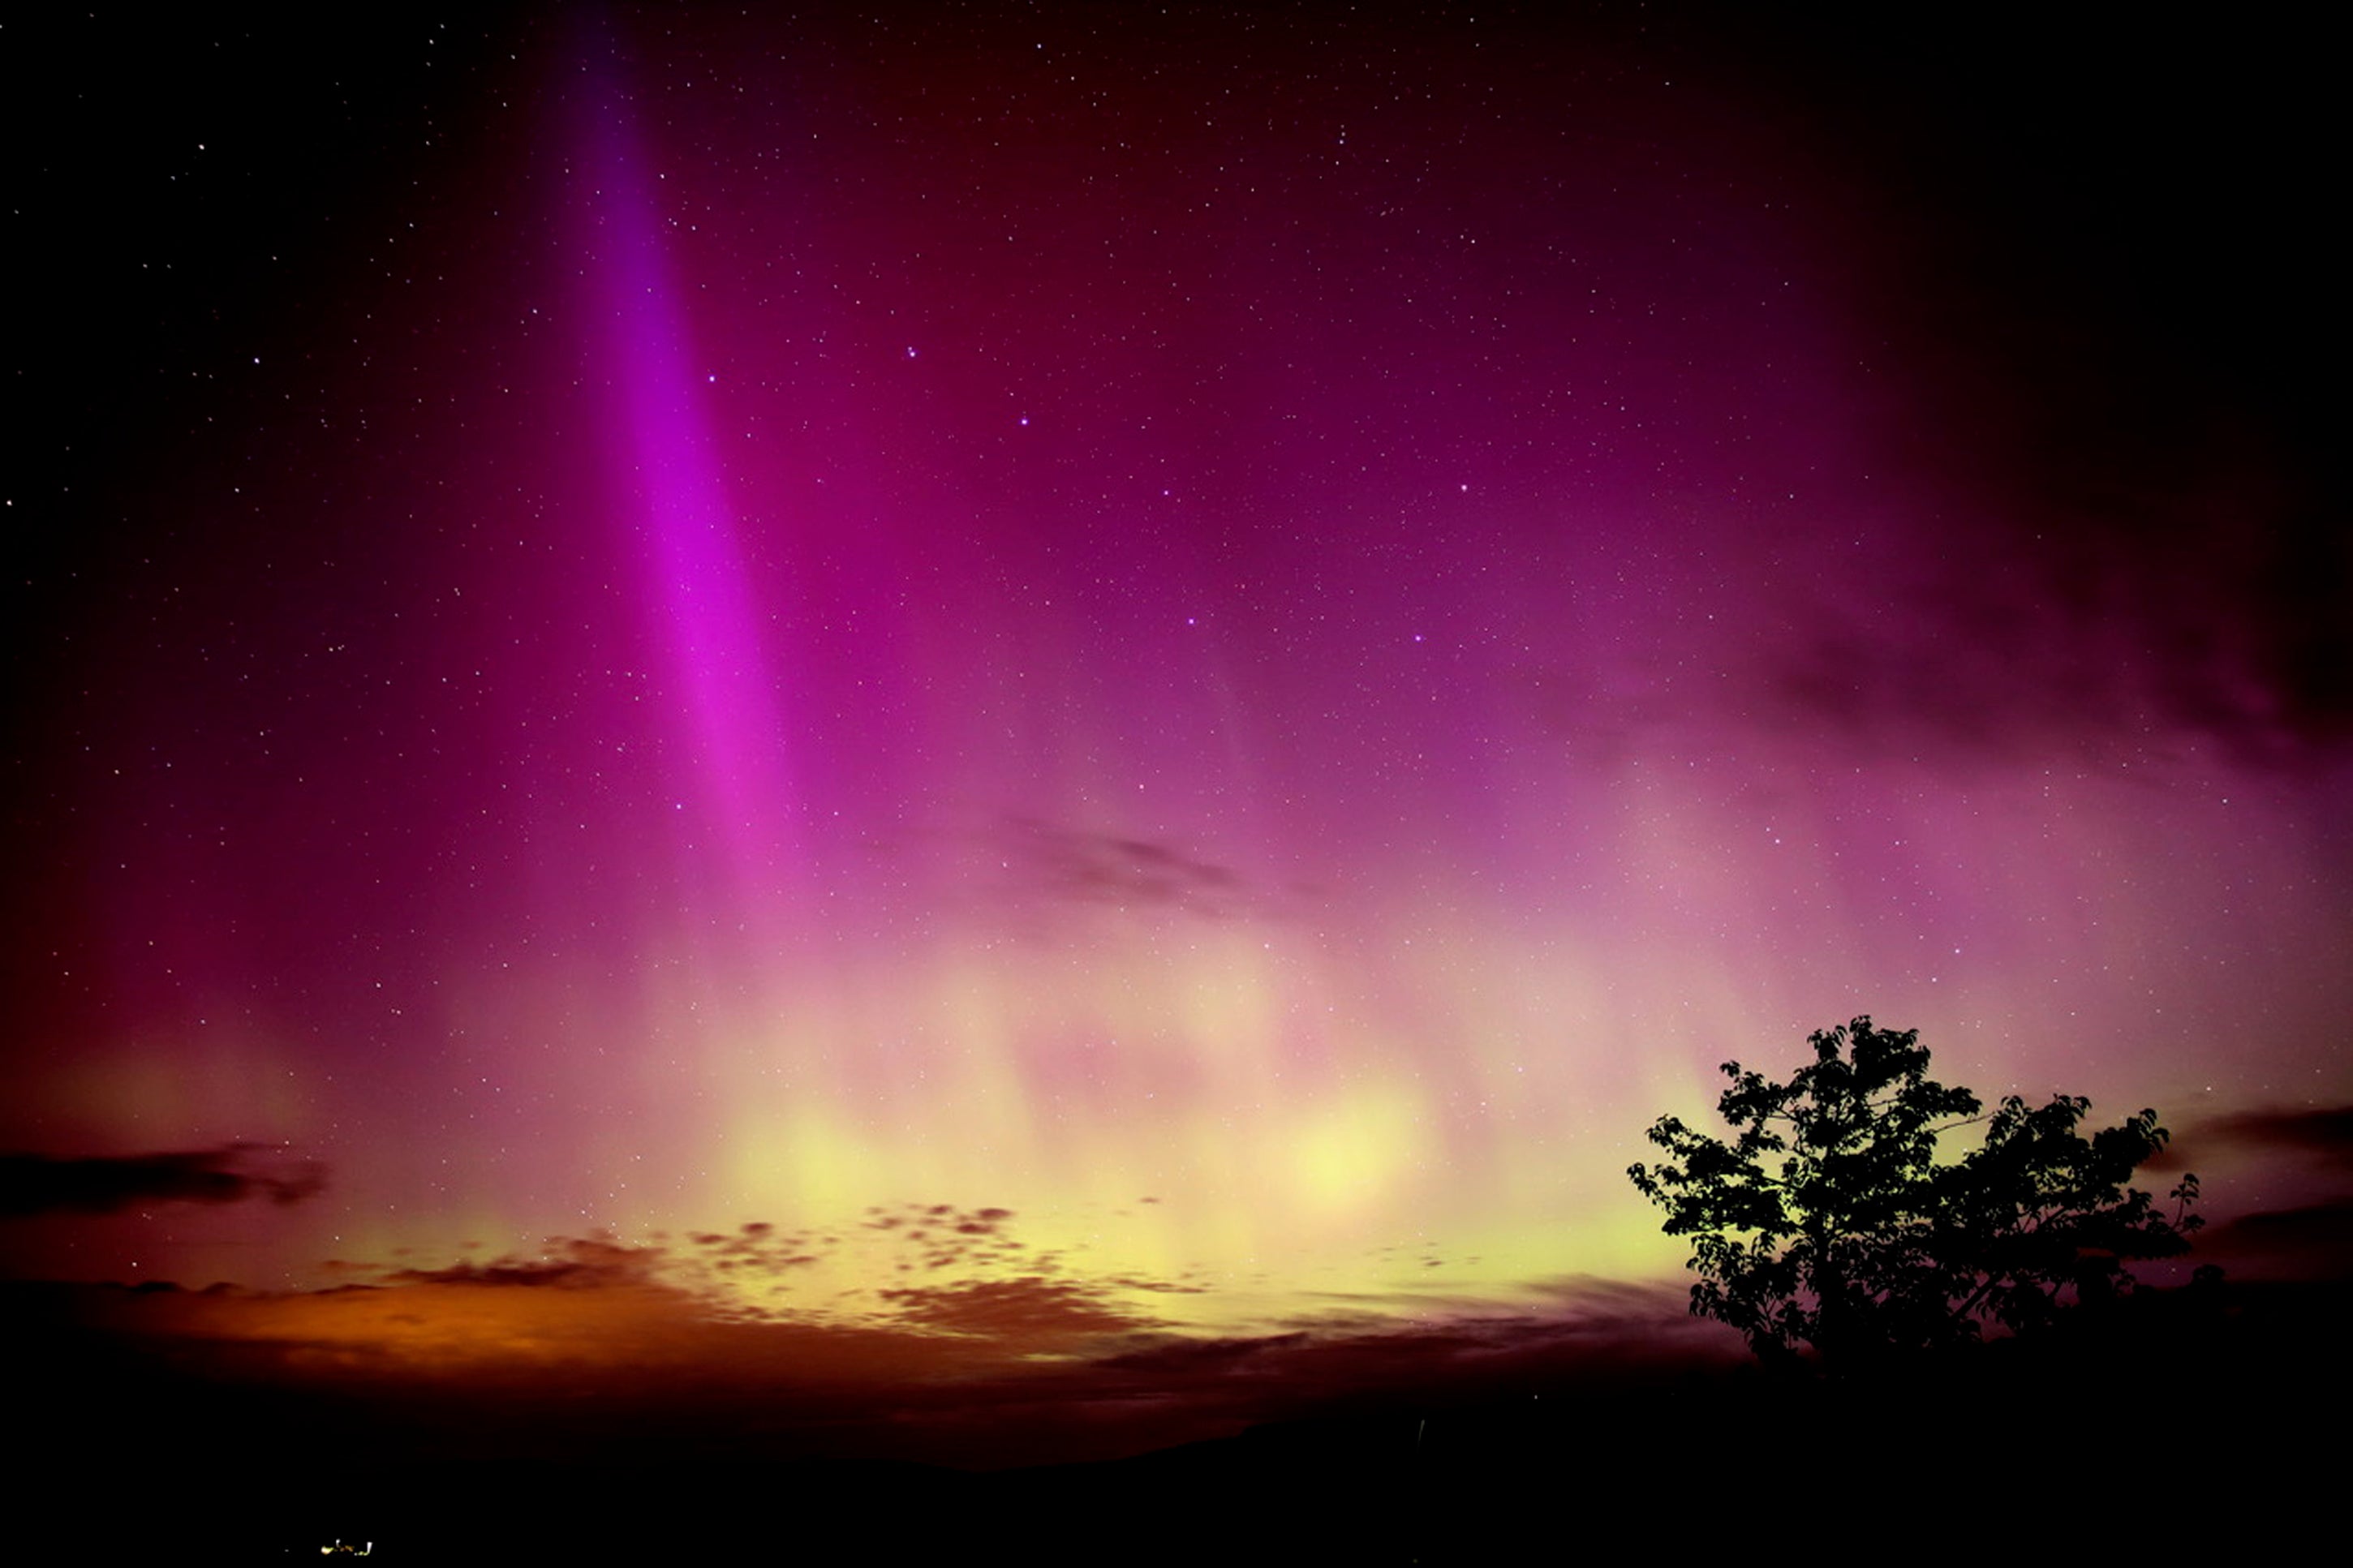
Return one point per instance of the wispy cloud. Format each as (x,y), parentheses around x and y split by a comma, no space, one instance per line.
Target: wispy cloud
(1063,863)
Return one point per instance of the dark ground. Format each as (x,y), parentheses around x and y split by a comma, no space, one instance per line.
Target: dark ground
(2218,1430)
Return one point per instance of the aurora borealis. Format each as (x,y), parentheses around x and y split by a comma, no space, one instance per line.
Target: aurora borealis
(1038,684)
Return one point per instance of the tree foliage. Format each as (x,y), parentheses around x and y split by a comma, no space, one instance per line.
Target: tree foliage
(1830,1221)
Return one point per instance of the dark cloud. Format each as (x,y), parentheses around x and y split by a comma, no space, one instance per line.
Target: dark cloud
(1106,868)
(1032,1312)
(939,1235)
(576,1264)
(1590,1336)
(2327,1131)
(2312,1242)
(761,1247)
(1187,1357)
(2138,493)
(40,1184)
(2132,659)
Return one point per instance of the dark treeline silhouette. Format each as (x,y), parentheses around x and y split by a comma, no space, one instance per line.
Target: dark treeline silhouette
(1829,1223)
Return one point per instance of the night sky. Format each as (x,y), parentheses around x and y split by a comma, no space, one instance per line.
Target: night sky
(1052,696)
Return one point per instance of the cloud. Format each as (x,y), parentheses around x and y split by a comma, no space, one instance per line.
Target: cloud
(1028,1315)
(578,1264)
(40,1184)
(760,1247)
(2312,1242)
(592,1349)
(636,1323)
(2149,622)
(2327,1131)
(942,1236)
(1106,868)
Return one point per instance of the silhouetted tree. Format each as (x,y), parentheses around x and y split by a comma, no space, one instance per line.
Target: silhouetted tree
(1828,1221)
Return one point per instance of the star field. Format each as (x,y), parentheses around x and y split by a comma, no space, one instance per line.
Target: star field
(1243,637)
